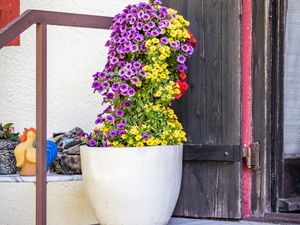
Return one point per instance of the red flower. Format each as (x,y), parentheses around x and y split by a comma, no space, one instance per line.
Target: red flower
(192,41)
(182,76)
(183,87)
(178,96)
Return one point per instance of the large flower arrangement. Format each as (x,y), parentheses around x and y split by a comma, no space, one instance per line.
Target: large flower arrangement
(144,73)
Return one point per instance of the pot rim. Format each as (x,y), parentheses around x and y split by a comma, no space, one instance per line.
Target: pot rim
(155,147)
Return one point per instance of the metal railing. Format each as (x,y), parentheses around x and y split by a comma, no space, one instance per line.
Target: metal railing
(11,31)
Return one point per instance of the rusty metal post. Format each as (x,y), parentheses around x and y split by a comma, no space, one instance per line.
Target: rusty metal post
(41,123)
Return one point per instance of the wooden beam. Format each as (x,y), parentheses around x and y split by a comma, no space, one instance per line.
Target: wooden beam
(41,123)
(213,152)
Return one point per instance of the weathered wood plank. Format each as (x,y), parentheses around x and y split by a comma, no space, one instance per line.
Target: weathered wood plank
(261,103)
(191,108)
(231,70)
(205,193)
(212,23)
(210,111)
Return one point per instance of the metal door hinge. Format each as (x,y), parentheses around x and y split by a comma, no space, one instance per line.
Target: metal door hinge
(252,155)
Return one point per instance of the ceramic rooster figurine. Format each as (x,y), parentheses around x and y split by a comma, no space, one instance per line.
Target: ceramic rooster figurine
(25,153)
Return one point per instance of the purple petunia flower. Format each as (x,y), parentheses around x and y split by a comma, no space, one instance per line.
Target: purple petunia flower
(120,125)
(110,118)
(104,144)
(97,131)
(107,110)
(126,103)
(142,5)
(181,67)
(191,50)
(121,73)
(98,120)
(131,92)
(134,80)
(115,87)
(101,75)
(154,33)
(139,38)
(110,95)
(124,87)
(121,132)
(151,24)
(146,17)
(143,73)
(175,44)
(137,65)
(92,143)
(185,48)
(157,2)
(145,136)
(105,84)
(139,26)
(128,66)
(124,93)
(164,40)
(181,59)
(119,112)
(96,85)
(134,47)
(113,133)
(140,14)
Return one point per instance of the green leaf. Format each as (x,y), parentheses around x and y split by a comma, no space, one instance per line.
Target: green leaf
(8,125)
(1,134)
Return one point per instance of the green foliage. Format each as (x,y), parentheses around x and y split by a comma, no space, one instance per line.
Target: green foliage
(7,132)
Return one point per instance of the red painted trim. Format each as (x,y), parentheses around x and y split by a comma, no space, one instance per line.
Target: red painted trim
(246,100)
(9,9)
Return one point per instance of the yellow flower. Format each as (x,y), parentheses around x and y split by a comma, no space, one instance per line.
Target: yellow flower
(155,40)
(152,48)
(130,142)
(158,94)
(138,137)
(134,130)
(139,144)
(164,142)
(156,108)
(139,84)
(115,144)
(104,129)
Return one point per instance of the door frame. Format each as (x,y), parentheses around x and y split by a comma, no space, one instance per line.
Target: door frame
(268,77)
(267,70)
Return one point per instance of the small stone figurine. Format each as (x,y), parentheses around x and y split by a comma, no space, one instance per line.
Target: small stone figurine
(25,153)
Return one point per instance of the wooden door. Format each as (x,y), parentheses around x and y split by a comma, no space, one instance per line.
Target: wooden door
(211,111)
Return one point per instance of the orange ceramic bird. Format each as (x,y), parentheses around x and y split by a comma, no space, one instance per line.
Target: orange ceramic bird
(25,155)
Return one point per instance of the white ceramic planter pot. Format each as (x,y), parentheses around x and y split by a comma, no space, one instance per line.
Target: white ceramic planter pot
(132,186)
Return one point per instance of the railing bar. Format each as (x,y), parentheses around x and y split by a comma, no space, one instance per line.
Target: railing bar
(21,23)
(41,123)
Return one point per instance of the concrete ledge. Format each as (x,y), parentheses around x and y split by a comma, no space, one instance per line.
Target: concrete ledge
(66,201)
(51,177)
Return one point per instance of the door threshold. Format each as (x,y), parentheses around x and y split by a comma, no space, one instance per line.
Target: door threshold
(278,218)
(289,204)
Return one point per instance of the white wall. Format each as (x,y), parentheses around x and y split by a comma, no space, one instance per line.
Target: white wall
(74,54)
(67,204)
(292,80)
